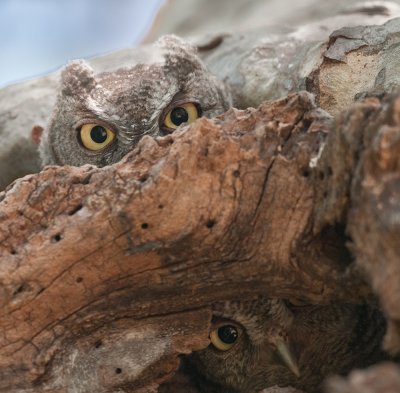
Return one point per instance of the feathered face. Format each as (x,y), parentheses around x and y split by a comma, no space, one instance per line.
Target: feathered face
(98,118)
(249,345)
(265,342)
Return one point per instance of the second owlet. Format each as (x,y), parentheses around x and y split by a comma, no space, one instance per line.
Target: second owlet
(98,118)
(256,344)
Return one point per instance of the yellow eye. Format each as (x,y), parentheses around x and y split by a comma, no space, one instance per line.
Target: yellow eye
(224,337)
(95,137)
(185,113)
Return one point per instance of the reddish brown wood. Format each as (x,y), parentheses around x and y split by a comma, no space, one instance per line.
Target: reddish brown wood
(108,274)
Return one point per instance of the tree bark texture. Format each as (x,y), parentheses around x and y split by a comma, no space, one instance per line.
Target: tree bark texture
(360,188)
(107,275)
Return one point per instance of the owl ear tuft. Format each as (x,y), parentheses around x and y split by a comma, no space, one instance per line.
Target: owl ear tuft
(179,54)
(77,76)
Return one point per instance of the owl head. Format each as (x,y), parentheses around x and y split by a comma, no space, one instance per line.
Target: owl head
(99,117)
(249,346)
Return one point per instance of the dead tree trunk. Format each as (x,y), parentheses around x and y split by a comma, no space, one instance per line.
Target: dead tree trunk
(107,275)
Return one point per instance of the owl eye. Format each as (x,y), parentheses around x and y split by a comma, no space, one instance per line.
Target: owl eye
(95,137)
(184,113)
(224,337)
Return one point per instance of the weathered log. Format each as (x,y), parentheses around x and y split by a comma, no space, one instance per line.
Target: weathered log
(207,17)
(107,275)
(178,224)
(359,188)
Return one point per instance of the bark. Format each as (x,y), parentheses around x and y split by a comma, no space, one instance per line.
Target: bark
(359,187)
(107,275)
(205,17)
(337,64)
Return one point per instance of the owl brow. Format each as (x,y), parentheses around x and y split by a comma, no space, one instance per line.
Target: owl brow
(124,136)
(127,137)
(166,100)
(152,130)
(153,120)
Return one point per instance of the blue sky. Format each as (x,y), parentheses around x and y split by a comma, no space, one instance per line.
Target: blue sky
(38,36)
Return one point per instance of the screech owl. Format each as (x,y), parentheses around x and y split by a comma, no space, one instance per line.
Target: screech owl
(260,343)
(98,118)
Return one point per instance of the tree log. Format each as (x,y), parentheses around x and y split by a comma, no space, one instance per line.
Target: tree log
(359,188)
(107,275)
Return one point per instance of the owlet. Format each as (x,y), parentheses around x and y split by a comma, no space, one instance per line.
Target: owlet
(98,118)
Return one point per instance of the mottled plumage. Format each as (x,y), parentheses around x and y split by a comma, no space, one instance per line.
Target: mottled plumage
(130,101)
(322,340)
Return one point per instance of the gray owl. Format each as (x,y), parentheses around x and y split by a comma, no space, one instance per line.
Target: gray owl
(265,342)
(98,118)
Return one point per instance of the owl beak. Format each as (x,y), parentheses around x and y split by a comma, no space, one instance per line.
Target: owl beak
(287,357)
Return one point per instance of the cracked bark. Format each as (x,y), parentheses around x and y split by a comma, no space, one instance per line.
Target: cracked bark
(107,275)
